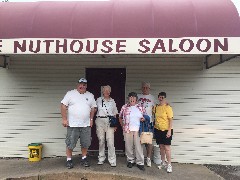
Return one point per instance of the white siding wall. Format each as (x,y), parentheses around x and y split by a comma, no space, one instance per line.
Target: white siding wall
(205,102)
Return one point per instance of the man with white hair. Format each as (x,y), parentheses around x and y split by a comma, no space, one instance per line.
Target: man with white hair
(148,101)
(106,107)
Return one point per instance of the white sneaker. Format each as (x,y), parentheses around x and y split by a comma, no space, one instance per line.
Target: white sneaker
(149,163)
(113,164)
(100,162)
(163,165)
(169,168)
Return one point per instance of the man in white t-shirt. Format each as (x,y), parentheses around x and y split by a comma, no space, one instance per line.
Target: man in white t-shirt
(77,110)
(148,101)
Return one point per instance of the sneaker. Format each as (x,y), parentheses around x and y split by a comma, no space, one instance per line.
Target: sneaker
(141,167)
(149,163)
(113,164)
(163,165)
(100,163)
(130,165)
(85,162)
(69,164)
(169,168)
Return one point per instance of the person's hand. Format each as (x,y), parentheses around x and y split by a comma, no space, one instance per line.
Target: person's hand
(169,133)
(142,119)
(65,123)
(115,129)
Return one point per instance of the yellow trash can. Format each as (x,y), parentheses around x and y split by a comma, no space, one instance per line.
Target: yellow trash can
(35,152)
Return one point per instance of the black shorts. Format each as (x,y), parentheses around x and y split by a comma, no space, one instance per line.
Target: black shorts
(161,138)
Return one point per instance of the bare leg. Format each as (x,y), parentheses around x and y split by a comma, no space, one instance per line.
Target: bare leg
(149,150)
(69,153)
(168,153)
(162,152)
(84,151)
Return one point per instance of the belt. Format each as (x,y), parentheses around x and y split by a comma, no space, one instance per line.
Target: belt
(102,116)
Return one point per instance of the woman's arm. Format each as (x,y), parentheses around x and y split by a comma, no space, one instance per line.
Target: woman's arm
(169,133)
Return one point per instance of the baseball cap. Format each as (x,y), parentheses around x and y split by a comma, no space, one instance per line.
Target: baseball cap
(82,80)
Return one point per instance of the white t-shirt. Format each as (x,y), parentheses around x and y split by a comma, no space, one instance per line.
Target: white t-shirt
(135,116)
(79,107)
(106,107)
(147,101)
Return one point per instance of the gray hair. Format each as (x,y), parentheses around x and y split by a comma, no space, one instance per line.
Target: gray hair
(106,87)
(146,84)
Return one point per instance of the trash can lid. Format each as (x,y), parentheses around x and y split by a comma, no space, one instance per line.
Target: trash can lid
(35,144)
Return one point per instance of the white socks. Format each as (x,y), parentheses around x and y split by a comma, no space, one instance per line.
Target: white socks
(84,157)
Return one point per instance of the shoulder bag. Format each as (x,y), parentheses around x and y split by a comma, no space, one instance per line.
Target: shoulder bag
(113,122)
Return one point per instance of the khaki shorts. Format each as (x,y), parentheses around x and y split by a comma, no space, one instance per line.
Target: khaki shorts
(74,133)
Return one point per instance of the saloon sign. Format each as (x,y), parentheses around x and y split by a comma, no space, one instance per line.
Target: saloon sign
(188,45)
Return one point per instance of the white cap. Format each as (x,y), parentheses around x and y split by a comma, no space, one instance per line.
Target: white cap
(82,80)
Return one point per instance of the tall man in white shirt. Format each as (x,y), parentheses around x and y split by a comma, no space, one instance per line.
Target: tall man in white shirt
(77,110)
(148,101)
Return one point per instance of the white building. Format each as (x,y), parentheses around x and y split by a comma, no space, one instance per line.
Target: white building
(205,100)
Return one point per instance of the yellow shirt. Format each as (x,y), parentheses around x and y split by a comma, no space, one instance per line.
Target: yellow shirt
(162,115)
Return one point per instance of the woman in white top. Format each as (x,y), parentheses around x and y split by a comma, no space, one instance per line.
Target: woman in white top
(106,107)
(130,117)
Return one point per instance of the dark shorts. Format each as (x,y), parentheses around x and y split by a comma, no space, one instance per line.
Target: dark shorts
(74,133)
(161,138)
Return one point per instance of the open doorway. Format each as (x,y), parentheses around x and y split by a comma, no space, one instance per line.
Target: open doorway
(116,78)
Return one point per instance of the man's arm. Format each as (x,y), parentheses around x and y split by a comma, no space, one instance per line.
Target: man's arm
(93,110)
(64,115)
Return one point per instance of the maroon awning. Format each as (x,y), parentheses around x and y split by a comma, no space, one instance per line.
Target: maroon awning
(119,19)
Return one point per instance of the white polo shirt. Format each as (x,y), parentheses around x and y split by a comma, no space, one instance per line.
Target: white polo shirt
(79,107)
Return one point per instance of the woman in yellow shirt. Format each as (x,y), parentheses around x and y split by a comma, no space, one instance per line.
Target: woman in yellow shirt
(163,129)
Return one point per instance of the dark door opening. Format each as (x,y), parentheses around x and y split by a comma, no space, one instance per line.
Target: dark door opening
(116,78)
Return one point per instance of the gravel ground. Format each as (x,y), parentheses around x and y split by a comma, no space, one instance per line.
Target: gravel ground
(227,172)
